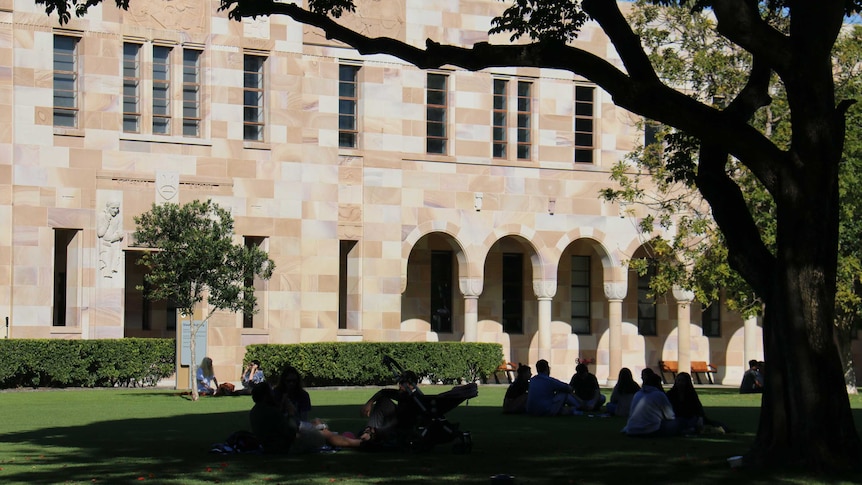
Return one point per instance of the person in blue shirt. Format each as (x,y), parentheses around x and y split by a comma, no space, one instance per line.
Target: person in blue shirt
(252,376)
(548,396)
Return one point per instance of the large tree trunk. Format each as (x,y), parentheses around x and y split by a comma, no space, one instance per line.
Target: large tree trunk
(805,417)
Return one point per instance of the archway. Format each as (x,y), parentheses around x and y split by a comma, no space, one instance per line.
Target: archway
(431,305)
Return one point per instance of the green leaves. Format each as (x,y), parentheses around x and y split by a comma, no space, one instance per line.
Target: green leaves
(193,254)
(557,20)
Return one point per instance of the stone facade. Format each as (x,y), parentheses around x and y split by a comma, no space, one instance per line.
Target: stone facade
(378,242)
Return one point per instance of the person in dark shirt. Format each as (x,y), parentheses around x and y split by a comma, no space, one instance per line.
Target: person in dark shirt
(586,389)
(623,393)
(515,400)
(752,380)
(275,431)
(686,404)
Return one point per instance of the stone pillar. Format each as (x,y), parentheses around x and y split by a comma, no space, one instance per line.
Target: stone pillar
(545,328)
(615,292)
(545,291)
(471,318)
(683,310)
(749,339)
(471,288)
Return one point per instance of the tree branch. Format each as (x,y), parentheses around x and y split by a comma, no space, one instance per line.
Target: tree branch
(747,253)
(627,43)
(740,22)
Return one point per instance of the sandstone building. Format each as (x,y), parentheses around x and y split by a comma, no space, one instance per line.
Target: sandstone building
(397,203)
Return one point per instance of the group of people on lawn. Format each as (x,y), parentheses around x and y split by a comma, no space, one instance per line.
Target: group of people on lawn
(280,421)
(279,417)
(648,409)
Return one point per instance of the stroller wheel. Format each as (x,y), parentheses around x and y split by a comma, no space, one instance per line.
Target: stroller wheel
(465,445)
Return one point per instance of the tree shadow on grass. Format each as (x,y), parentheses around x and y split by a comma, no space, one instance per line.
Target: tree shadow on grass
(578,450)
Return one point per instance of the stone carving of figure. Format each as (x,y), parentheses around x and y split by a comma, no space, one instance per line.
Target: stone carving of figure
(110,232)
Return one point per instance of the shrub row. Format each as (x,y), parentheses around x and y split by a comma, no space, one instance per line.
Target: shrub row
(85,363)
(361,363)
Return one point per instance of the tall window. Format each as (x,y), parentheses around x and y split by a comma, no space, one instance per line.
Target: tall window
(524,119)
(348,93)
(501,87)
(161,90)
(441,291)
(67,264)
(646,305)
(131,87)
(650,132)
(251,320)
(584,124)
(191,92)
(65,81)
(253,115)
(513,292)
(580,294)
(710,319)
(348,278)
(435,100)
(652,144)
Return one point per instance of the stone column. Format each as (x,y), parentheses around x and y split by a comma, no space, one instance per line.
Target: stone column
(545,291)
(749,339)
(545,328)
(683,310)
(471,318)
(471,288)
(615,292)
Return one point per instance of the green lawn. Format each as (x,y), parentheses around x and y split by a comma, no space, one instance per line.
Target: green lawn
(157,436)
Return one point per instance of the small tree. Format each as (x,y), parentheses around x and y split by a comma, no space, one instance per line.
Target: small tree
(193,256)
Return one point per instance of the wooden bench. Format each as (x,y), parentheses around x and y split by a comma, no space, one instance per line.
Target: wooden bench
(668,366)
(507,368)
(699,367)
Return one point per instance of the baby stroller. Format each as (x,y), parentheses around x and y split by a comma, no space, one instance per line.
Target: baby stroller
(421,423)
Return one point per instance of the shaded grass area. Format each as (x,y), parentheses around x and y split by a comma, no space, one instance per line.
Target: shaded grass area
(134,436)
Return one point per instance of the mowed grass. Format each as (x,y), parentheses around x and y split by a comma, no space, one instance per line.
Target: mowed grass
(161,437)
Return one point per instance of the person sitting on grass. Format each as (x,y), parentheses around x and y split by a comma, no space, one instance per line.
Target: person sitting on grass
(279,433)
(251,376)
(272,428)
(623,393)
(548,396)
(206,379)
(389,410)
(288,392)
(515,400)
(752,379)
(688,409)
(651,412)
(586,389)
(686,404)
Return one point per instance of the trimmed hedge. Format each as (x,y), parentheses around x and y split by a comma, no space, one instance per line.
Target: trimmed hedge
(85,363)
(361,363)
